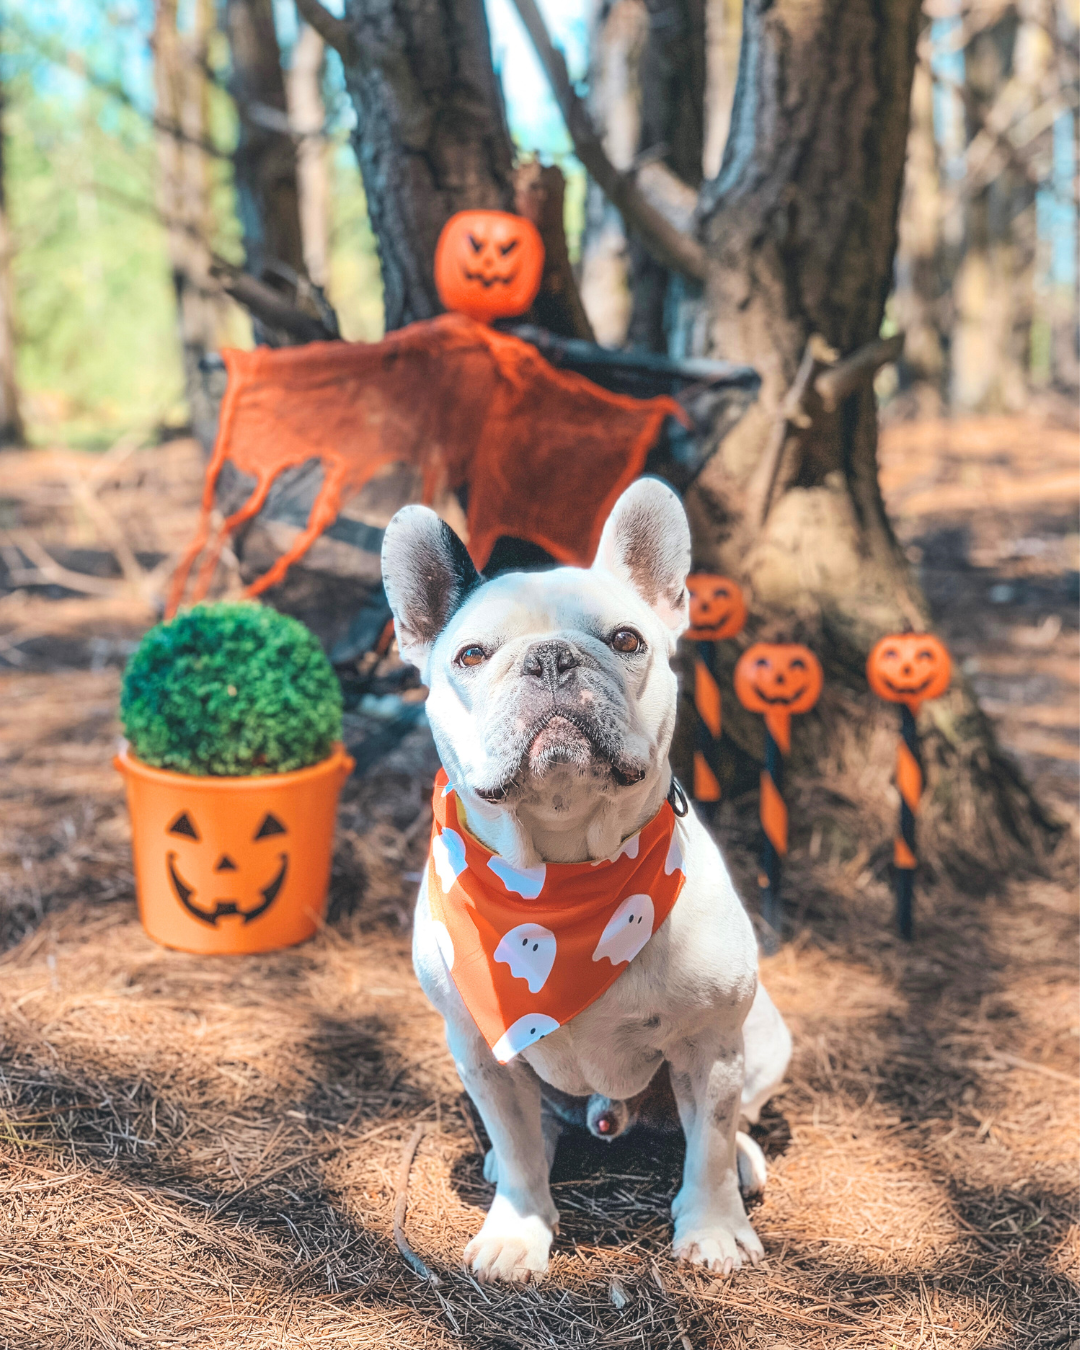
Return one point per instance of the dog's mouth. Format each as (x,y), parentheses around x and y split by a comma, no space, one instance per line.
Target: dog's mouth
(561,738)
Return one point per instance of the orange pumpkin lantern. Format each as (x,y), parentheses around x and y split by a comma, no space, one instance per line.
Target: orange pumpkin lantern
(488,264)
(227,865)
(908,668)
(782,677)
(717,607)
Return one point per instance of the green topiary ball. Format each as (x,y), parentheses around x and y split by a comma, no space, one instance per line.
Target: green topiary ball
(230,689)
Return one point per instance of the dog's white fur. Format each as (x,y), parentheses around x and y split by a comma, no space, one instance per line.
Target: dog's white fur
(568,791)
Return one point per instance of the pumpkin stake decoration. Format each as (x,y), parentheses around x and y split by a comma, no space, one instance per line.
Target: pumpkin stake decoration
(488,264)
(717,611)
(233,769)
(908,668)
(776,679)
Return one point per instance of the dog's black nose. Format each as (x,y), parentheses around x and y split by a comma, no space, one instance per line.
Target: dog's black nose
(549,660)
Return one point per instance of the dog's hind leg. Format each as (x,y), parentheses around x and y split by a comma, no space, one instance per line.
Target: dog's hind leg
(767,1043)
(751,1165)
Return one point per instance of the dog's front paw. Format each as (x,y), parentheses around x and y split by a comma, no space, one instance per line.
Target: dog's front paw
(510,1247)
(719,1246)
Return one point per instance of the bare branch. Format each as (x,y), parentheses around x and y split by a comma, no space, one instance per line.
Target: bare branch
(834,385)
(334,31)
(269,306)
(667,244)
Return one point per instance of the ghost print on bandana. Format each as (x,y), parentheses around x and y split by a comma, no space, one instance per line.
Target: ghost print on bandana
(530,948)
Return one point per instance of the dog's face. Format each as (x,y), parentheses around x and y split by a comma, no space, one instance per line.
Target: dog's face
(543,682)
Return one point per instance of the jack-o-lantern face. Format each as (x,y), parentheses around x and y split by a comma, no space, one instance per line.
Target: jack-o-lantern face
(488,264)
(243,882)
(908,668)
(717,607)
(778,677)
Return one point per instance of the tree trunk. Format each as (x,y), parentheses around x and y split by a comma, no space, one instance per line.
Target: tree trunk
(431,135)
(919,295)
(265,158)
(307,117)
(180,83)
(801,228)
(618,37)
(994,283)
(11,427)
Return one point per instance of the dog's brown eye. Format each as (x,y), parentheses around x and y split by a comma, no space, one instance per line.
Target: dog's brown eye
(471,656)
(626,640)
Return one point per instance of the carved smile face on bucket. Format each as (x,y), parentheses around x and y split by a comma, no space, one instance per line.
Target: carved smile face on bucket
(242,882)
(488,264)
(778,677)
(717,607)
(908,668)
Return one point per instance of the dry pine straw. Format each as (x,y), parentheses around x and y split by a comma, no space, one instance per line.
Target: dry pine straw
(203,1153)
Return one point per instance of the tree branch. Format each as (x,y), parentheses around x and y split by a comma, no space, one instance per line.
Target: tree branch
(334,31)
(667,244)
(834,385)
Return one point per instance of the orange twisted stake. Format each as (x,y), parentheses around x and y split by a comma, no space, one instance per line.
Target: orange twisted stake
(776,680)
(907,668)
(717,610)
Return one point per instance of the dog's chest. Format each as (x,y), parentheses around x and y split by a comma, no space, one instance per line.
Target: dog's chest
(606,1049)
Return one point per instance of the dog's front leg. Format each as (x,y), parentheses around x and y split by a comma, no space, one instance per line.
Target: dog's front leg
(711,1227)
(515,1238)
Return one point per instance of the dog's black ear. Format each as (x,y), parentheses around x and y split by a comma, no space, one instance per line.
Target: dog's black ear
(646,543)
(427,573)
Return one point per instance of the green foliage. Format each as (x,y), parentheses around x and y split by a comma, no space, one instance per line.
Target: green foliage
(230,689)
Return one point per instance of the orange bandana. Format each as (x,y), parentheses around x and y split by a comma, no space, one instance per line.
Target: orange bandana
(529,948)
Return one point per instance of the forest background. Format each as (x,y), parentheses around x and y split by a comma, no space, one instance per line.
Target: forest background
(985,276)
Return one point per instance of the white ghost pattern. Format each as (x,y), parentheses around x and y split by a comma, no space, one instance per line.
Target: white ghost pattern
(528,882)
(529,950)
(444,942)
(628,846)
(674,861)
(627,931)
(448,852)
(525,1031)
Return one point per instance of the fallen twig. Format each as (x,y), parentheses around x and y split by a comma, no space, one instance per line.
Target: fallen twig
(401,1203)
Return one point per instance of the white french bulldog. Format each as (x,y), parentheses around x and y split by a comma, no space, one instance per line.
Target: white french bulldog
(552,703)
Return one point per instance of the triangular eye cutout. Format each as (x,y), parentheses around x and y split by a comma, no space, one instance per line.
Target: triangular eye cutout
(270,825)
(182,825)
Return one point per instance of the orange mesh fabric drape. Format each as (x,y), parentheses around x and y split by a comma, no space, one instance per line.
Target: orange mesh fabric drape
(544,452)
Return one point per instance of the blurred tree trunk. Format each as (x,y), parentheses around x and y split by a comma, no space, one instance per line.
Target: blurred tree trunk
(431,134)
(181,87)
(11,426)
(617,39)
(994,284)
(307,117)
(723,33)
(919,295)
(265,160)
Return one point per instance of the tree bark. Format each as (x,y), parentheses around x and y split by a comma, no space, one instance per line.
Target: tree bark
(265,159)
(431,135)
(11,426)
(180,82)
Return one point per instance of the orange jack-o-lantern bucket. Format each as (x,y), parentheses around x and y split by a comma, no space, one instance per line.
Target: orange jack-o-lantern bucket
(488,264)
(227,865)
